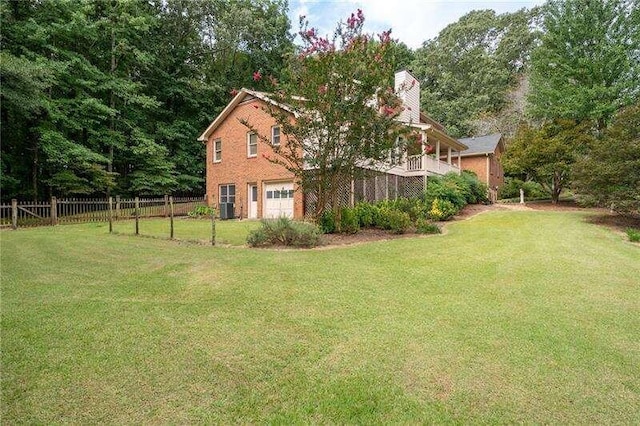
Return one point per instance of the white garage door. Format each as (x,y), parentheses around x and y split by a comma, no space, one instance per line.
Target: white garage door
(278,199)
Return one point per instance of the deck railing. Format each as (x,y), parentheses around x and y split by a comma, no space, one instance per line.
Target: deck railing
(427,163)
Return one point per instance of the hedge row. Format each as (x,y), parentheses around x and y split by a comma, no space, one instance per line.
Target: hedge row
(443,198)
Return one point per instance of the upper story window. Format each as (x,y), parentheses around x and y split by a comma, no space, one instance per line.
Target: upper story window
(252,144)
(275,136)
(217,150)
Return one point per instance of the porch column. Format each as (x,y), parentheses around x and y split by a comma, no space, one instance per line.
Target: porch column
(449,155)
(438,155)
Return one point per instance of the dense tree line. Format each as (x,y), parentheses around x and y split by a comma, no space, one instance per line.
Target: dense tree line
(108,96)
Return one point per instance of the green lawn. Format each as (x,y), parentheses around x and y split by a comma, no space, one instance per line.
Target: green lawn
(228,232)
(509,317)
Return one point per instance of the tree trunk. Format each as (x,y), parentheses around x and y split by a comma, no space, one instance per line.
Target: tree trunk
(112,103)
(35,168)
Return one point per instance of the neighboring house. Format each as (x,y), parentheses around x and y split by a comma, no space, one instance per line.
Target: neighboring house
(483,158)
(243,183)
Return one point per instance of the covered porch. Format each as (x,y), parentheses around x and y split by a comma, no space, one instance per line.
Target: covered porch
(438,153)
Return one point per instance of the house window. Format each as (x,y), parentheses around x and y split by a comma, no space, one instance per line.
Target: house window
(217,151)
(227,193)
(275,136)
(252,144)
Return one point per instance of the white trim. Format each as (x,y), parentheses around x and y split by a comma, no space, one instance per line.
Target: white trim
(249,144)
(243,93)
(216,158)
(273,128)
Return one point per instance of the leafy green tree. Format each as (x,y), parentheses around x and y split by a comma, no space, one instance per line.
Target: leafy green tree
(340,123)
(546,155)
(610,175)
(587,65)
(102,96)
(468,70)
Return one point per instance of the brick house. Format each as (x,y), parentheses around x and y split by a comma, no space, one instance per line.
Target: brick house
(245,184)
(483,158)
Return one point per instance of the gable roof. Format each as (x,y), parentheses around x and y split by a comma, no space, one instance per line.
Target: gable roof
(482,144)
(241,96)
(427,123)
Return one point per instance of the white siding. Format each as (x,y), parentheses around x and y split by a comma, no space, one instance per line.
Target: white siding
(407,88)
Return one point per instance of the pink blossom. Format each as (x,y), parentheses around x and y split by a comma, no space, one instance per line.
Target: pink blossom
(385,37)
(233,92)
(257,76)
(322,89)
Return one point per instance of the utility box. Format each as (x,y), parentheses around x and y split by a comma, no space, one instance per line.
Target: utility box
(226,210)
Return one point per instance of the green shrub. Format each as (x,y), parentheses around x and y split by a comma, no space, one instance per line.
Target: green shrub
(381,218)
(423,226)
(327,222)
(201,211)
(442,209)
(349,222)
(444,189)
(478,190)
(283,231)
(511,189)
(398,221)
(366,214)
(633,234)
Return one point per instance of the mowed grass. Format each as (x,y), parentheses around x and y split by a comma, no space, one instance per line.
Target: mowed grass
(509,317)
(228,232)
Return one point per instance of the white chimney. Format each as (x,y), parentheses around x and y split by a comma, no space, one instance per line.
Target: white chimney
(407,88)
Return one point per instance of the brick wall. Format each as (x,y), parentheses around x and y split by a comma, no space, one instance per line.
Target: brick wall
(236,168)
(478,164)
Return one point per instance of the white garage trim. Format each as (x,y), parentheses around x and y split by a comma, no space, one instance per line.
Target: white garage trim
(278,199)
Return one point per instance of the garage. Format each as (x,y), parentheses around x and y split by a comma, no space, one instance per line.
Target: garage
(278,199)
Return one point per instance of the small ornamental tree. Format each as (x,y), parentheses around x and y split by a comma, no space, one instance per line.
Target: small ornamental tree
(335,107)
(546,155)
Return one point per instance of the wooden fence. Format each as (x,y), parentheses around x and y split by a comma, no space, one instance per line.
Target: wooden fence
(76,210)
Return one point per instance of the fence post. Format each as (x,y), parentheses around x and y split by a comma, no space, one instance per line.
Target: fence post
(110,215)
(137,209)
(54,211)
(171,216)
(117,207)
(213,227)
(166,204)
(14,213)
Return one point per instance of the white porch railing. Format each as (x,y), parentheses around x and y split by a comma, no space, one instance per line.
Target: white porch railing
(414,163)
(429,164)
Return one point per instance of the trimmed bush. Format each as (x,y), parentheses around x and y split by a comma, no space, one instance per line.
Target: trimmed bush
(349,223)
(201,211)
(423,226)
(398,221)
(442,209)
(634,235)
(444,189)
(366,214)
(327,222)
(477,190)
(285,232)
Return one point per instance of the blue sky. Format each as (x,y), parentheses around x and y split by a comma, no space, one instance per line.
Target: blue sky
(411,21)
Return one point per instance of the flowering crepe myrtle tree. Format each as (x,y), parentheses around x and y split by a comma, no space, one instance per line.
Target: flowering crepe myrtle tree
(335,108)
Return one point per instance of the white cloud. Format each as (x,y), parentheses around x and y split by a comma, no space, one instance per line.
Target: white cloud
(411,21)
